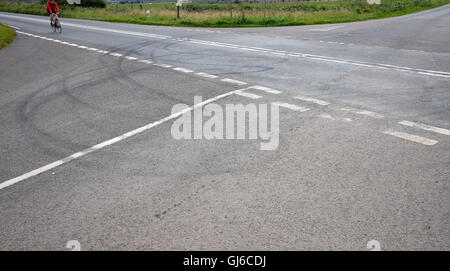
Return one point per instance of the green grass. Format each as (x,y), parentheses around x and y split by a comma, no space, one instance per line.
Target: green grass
(7,35)
(245,14)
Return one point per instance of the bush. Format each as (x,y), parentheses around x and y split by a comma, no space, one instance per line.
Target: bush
(93,3)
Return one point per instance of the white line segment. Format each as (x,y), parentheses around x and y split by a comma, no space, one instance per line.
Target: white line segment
(413,138)
(109,142)
(312,100)
(425,127)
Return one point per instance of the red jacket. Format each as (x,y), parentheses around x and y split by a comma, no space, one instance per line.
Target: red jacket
(53,6)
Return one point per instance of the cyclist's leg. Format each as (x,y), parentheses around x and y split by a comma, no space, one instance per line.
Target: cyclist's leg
(51,18)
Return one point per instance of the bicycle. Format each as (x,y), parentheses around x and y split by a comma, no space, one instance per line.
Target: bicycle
(56,24)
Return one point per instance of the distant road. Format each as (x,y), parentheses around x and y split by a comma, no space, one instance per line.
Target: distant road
(86,151)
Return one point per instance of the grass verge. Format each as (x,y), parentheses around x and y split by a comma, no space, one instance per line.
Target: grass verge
(244,14)
(7,35)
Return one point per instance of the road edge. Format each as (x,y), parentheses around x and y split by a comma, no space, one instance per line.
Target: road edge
(8,34)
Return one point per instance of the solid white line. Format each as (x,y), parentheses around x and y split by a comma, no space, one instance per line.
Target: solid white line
(182,70)
(292,106)
(426,127)
(81,46)
(232,81)
(206,75)
(363,112)
(248,95)
(312,100)
(115,54)
(265,50)
(109,142)
(266,89)
(92,49)
(435,74)
(413,138)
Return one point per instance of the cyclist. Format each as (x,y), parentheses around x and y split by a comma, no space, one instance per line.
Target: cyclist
(52,9)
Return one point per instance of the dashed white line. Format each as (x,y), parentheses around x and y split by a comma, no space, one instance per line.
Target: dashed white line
(145,61)
(247,95)
(183,70)
(292,106)
(363,112)
(312,100)
(441,74)
(232,81)
(162,65)
(413,138)
(206,75)
(131,58)
(425,127)
(266,89)
(115,54)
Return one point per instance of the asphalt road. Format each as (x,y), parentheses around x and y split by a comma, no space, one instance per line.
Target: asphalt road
(87,152)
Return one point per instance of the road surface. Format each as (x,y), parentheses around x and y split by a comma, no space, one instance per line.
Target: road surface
(87,152)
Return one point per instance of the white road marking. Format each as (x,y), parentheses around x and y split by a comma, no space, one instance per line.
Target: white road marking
(413,138)
(266,89)
(232,81)
(206,75)
(426,127)
(92,49)
(115,54)
(109,142)
(183,70)
(102,51)
(131,57)
(324,29)
(292,106)
(312,100)
(162,65)
(73,44)
(15,27)
(145,61)
(326,116)
(82,47)
(247,95)
(363,112)
(435,74)
(264,50)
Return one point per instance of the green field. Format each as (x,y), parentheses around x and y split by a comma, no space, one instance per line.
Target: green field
(244,14)
(7,35)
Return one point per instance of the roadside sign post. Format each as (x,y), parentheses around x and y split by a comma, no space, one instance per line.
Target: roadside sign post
(179,4)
